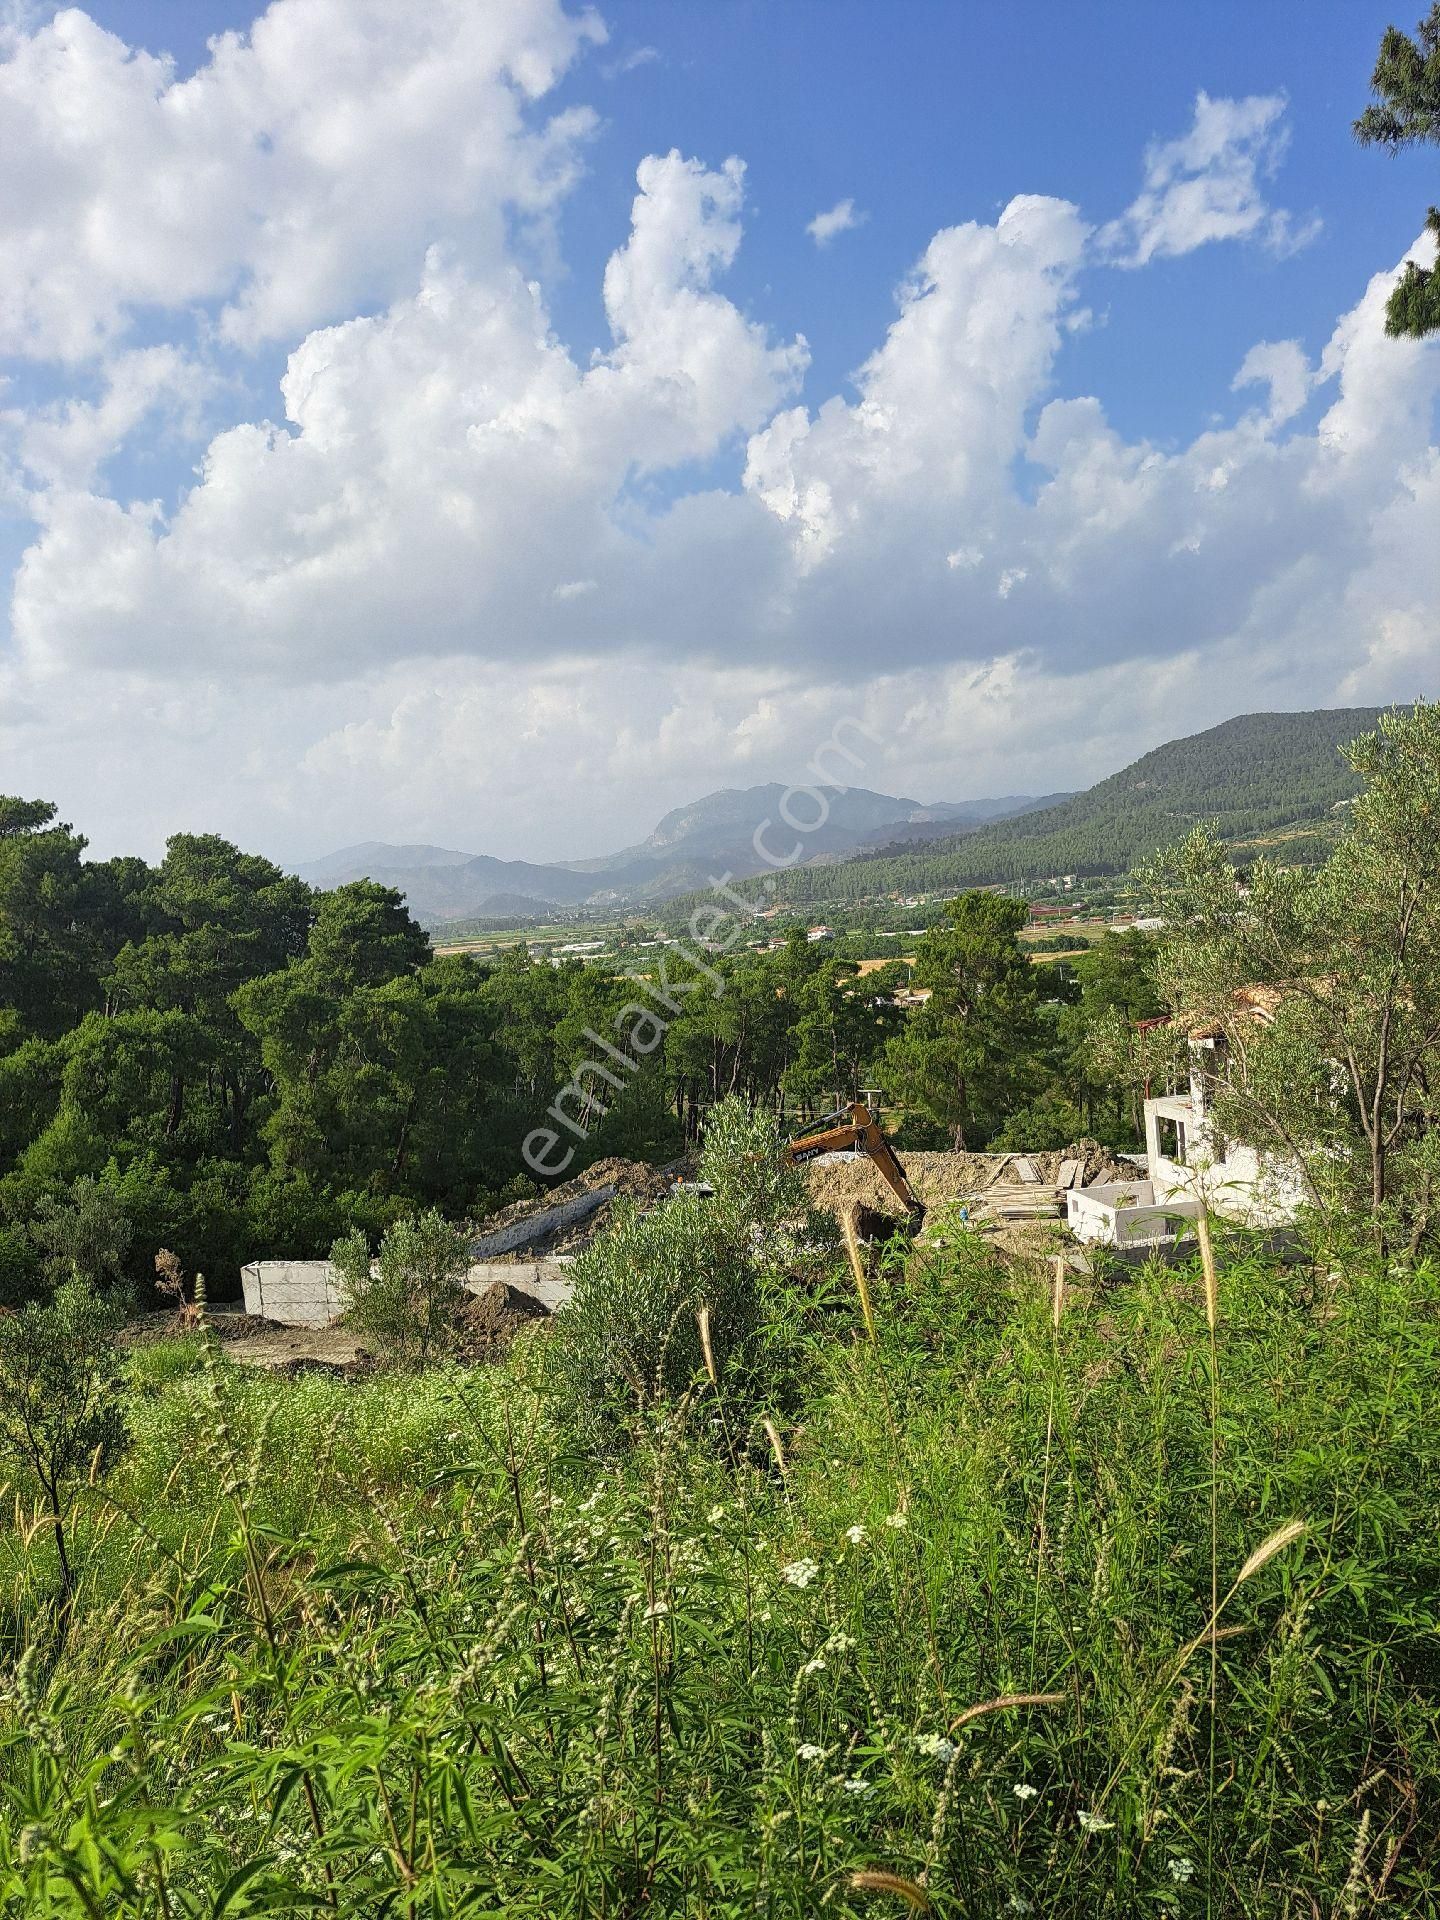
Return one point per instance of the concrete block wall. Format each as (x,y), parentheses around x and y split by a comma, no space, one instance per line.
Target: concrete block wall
(297,1293)
(307,1293)
(1118,1214)
(546,1279)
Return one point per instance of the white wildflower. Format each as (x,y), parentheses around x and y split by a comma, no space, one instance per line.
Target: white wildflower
(715,1516)
(807,1750)
(800,1573)
(1093,1823)
(1181,1868)
(1017,1903)
(1024,1791)
(899,1521)
(842,1643)
(856,1785)
(855,1535)
(656,1608)
(817,1665)
(935,1746)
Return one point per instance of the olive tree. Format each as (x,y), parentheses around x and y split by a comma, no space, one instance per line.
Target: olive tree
(406,1297)
(1344,1077)
(61,1415)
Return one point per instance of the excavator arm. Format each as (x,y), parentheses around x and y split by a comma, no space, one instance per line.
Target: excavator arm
(860,1131)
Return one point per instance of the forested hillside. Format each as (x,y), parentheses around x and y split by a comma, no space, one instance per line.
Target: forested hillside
(1260,775)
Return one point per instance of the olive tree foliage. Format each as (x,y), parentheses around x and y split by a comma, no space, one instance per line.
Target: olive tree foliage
(84,1234)
(405,1300)
(61,1414)
(741,1157)
(630,1337)
(1406,112)
(1345,1079)
(1129,1058)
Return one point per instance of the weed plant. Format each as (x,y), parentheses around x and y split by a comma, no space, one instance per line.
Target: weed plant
(410,1646)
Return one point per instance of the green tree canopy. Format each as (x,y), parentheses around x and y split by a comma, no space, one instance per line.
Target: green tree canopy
(1343,1078)
(969,1054)
(1407,113)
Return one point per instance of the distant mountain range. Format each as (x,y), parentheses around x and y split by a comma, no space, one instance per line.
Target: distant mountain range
(710,836)
(1268,781)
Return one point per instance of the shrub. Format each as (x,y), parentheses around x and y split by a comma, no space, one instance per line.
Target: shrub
(740,1157)
(59,1408)
(405,1299)
(629,1336)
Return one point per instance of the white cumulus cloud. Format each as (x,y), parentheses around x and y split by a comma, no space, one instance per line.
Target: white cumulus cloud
(300,172)
(457,582)
(839,219)
(1209,184)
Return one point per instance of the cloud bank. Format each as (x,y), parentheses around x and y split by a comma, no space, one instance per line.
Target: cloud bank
(463,584)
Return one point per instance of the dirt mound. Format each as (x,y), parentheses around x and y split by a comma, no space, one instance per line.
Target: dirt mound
(633,1179)
(489,1321)
(226,1323)
(940,1178)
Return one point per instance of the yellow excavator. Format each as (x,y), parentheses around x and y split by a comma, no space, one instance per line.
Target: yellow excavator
(854,1129)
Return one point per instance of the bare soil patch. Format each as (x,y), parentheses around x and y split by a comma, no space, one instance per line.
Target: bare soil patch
(940,1178)
(257,1342)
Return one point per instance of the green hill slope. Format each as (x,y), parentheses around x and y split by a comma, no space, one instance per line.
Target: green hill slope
(1261,776)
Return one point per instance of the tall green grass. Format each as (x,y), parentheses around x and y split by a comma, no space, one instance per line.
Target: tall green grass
(407,1647)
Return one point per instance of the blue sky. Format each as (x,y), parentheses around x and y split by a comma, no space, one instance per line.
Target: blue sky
(929,113)
(669,593)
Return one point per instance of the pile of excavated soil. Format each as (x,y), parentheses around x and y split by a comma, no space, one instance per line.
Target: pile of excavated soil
(633,1179)
(939,1178)
(489,1321)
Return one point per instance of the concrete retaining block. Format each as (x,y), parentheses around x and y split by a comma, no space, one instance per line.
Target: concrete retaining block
(297,1293)
(547,1280)
(308,1293)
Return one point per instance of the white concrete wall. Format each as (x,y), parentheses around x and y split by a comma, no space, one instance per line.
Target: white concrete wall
(1124,1214)
(297,1293)
(548,1280)
(1240,1184)
(308,1293)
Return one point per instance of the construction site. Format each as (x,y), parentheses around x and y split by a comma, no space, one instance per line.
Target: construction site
(294,1310)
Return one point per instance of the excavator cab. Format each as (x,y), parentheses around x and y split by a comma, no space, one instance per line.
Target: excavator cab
(854,1129)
